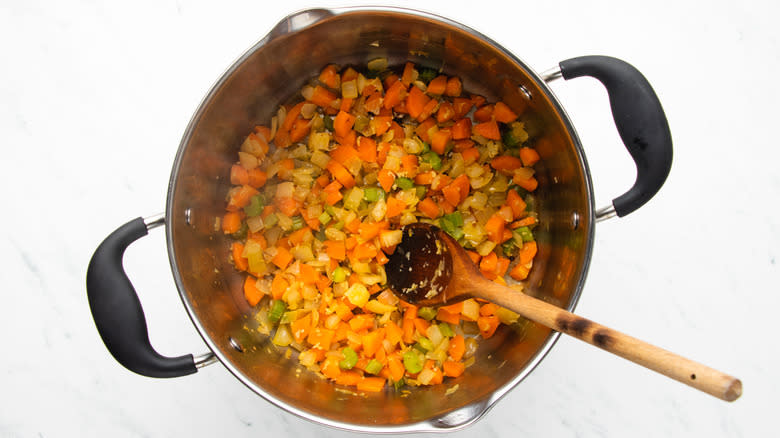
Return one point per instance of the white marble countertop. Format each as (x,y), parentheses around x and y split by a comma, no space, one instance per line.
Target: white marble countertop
(94,98)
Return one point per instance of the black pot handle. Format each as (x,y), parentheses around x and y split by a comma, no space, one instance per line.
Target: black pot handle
(640,120)
(118,313)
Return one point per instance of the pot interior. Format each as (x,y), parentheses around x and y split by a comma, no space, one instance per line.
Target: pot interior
(271,73)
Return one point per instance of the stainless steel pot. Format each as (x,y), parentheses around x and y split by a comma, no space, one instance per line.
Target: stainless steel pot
(249,93)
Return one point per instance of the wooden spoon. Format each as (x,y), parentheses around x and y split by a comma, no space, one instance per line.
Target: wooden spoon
(430,268)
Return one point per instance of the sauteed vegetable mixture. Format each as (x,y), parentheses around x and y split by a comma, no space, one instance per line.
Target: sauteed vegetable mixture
(319,198)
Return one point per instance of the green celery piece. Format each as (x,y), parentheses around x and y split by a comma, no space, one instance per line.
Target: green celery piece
(427,75)
(525,234)
(328,123)
(404,183)
(427,313)
(297,222)
(421,191)
(255,207)
(446,330)
(350,359)
(412,362)
(455,218)
(433,159)
(241,233)
(277,310)
(339,275)
(374,366)
(373,194)
(425,343)
(324,218)
(270,220)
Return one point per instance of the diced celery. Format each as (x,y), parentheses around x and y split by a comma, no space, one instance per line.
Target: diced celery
(421,191)
(412,362)
(427,75)
(339,275)
(433,159)
(353,198)
(271,220)
(522,234)
(255,206)
(350,359)
(374,366)
(328,122)
(509,248)
(425,343)
(277,310)
(373,194)
(297,222)
(324,218)
(404,183)
(241,233)
(446,330)
(427,313)
(455,218)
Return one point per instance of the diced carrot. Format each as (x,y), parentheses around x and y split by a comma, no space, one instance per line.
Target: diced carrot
(341,174)
(416,101)
(282,258)
(345,155)
(369,230)
(267,211)
(372,341)
(501,266)
(487,325)
(529,184)
(307,274)
(386,179)
(529,156)
(343,122)
(381,124)
(371,384)
(241,263)
(287,206)
(446,112)
(286,167)
(425,178)
(449,317)
(424,128)
(457,347)
(429,208)
(462,106)
(398,131)
(366,149)
(323,97)
(292,116)
(297,237)
(488,130)
(438,85)
(349,74)
(488,309)
(506,213)
(474,256)
(394,94)
(256,178)
(503,113)
(519,272)
(393,333)
(495,228)
(464,186)
(330,367)
(321,337)
(430,107)
(348,378)
(240,197)
(524,222)
(333,198)
(365,250)
(470,155)
(527,252)
(440,181)
(410,312)
(239,175)
(409,165)
(408,75)
(361,322)
(394,207)
(516,203)
(454,87)
(300,129)
(440,139)
(488,264)
(264,132)
(484,113)
(251,292)
(301,327)
(335,249)
(278,286)
(421,325)
(438,377)
(451,194)
(506,163)
(330,76)
(231,222)
(463,145)
(461,129)
(382,150)
(396,367)
(478,100)
(407,326)
(351,242)
(453,369)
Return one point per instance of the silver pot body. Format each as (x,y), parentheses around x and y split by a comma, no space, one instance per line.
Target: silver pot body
(249,93)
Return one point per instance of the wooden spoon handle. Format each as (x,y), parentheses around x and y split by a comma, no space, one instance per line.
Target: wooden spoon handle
(684,370)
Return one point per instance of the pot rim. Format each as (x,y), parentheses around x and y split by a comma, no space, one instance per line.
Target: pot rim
(460,417)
